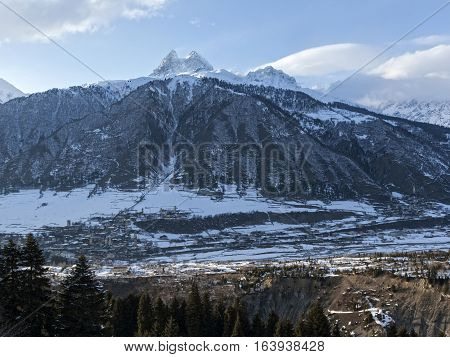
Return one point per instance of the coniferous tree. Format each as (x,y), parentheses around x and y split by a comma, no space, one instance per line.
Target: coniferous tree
(271,324)
(207,316)
(81,306)
(171,329)
(161,317)
(284,328)
(194,312)
(35,293)
(181,318)
(144,316)
(229,321)
(258,328)
(315,324)
(10,284)
(241,312)
(238,328)
(219,315)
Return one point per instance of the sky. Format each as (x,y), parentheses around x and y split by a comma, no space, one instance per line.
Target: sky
(318,42)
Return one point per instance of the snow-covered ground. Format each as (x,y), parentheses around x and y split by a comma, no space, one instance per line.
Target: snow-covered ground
(29,210)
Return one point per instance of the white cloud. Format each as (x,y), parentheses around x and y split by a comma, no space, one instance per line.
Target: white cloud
(431,40)
(324,60)
(57,18)
(430,63)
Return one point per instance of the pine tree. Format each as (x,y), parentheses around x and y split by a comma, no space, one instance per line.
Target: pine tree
(35,290)
(238,328)
(171,329)
(144,316)
(181,318)
(161,316)
(316,323)
(229,320)
(194,312)
(258,328)
(219,314)
(271,324)
(241,312)
(10,284)
(207,316)
(81,307)
(284,328)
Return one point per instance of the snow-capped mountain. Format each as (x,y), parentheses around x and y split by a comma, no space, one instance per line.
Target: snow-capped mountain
(8,91)
(69,138)
(195,66)
(173,65)
(432,112)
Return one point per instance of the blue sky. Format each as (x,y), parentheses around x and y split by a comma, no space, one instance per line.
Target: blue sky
(126,39)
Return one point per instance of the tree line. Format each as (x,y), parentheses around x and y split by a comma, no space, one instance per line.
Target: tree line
(33,305)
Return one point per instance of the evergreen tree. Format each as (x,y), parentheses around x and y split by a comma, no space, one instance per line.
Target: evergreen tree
(241,312)
(194,312)
(284,328)
(171,329)
(10,284)
(229,321)
(144,316)
(207,316)
(35,290)
(81,307)
(181,318)
(271,324)
(161,317)
(315,324)
(258,328)
(238,328)
(219,315)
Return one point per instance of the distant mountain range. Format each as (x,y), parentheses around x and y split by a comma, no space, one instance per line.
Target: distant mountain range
(433,112)
(68,138)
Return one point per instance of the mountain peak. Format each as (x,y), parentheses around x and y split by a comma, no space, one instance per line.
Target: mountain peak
(172,65)
(8,91)
(272,77)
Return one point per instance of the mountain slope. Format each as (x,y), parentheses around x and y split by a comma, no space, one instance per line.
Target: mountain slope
(8,91)
(344,151)
(432,112)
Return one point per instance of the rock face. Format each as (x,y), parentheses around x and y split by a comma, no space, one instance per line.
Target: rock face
(71,138)
(172,65)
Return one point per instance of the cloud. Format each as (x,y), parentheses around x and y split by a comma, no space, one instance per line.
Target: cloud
(369,90)
(57,18)
(430,63)
(431,40)
(325,60)
(420,74)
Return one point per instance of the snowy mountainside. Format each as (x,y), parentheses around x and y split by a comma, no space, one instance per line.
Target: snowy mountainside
(8,91)
(432,112)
